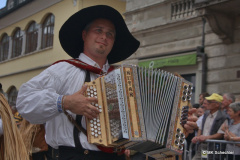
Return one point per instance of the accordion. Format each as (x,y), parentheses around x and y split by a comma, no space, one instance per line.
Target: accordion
(141,109)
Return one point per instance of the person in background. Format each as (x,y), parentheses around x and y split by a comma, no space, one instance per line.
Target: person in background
(204,105)
(232,132)
(18,118)
(196,105)
(211,125)
(202,97)
(200,112)
(228,98)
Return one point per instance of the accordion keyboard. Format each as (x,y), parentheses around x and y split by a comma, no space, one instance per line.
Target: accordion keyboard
(96,127)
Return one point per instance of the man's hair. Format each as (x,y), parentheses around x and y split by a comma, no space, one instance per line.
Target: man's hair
(196,105)
(235,106)
(0,86)
(204,94)
(230,96)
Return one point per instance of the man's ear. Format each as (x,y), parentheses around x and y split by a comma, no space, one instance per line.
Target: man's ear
(84,35)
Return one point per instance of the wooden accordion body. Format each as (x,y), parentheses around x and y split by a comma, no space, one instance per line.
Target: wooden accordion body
(141,109)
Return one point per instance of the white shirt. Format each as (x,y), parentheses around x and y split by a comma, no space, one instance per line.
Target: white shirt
(199,121)
(209,122)
(37,101)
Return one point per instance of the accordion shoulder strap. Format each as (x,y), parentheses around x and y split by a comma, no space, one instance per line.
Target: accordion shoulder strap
(84,66)
(70,118)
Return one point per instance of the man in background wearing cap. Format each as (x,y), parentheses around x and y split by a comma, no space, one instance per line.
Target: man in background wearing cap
(211,124)
(97,36)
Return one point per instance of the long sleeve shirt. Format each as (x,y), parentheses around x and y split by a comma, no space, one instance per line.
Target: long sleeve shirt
(37,101)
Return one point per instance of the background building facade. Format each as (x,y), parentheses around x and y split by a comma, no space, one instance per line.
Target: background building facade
(174,28)
(29,37)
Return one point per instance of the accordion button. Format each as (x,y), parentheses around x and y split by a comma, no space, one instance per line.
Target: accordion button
(91,125)
(96,105)
(86,151)
(91,95)
(94,119)
(91,121)
(95,127)
(98,120)
(91,87)
(95,89)
(95,93)
(99,133)
(96,135)
(88,89)
(100,110)
(92,129)
(99,128)
(96,131)
(94,122)
(98,124)
(92,133)
(100,107)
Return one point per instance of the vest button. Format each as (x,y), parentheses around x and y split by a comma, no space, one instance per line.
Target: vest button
(86,151)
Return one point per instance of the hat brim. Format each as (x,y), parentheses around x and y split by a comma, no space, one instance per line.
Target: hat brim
(70,34)
(211,98)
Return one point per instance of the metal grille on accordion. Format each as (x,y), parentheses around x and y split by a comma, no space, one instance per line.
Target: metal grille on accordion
(142,109)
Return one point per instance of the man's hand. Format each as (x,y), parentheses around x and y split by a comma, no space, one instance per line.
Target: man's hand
(195,139)
(202,138)
(191,122)
(224,127)
(127,152)
(79,104)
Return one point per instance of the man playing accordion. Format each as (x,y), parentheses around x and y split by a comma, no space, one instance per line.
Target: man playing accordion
(95,37)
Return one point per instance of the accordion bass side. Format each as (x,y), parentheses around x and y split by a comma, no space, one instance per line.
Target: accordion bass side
(142,109)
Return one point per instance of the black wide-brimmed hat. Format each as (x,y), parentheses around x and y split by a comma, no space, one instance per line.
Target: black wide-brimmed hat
(70,34)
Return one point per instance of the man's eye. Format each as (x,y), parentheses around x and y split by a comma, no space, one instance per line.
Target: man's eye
(98,30)
(109,34)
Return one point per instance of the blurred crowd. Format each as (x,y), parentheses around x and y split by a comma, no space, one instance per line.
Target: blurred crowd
(218,119)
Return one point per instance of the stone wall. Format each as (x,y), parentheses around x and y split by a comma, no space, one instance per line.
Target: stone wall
(152,24)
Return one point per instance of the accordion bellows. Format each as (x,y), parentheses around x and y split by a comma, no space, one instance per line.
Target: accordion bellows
(142,109)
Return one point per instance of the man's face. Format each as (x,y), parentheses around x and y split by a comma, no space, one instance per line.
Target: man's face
(205,104)
(213,105)
(99,39)
(226,102)
(200,112)
(200,100)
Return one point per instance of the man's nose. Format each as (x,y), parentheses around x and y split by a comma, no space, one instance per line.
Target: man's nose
(103,35)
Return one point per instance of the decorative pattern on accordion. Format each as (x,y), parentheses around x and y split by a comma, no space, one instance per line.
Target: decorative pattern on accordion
(96,128)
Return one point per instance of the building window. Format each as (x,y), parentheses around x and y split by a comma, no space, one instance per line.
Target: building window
(10,4)
(48,31)
(12,95)
(32,37)
(17,43)
(4,46)
(20,1)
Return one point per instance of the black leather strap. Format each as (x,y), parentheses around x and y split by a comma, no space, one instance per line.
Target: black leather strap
(79,120)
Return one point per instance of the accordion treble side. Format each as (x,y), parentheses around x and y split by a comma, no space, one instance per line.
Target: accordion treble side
(142,109)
